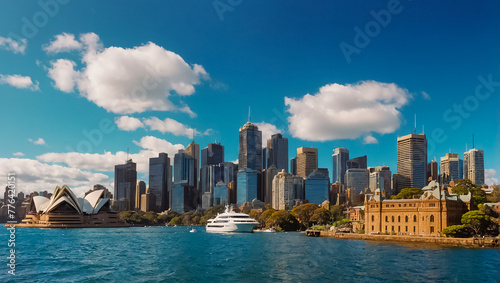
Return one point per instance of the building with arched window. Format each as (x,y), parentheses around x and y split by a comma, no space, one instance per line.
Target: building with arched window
(428,215)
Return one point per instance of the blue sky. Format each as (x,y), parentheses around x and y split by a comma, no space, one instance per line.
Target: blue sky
(427,58)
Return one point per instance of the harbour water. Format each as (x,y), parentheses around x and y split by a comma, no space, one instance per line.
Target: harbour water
(151,254)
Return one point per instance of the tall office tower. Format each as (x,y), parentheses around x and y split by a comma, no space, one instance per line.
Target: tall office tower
(147,200)
(184,196)
(160,179)
(194,151)
(357,180)
(412,161)
(286,189)
(232,192)
(250,149)
(380,178)
(278,152)
(212,174)
(357,163)
(293,166)
(221,194)
(307,161)
(268,177)
(451,166)
(340,156)
(432,171)
(317,186)
(473,165)
(125,182)
(140,189)
(212,154)
(247,185)
(265,157)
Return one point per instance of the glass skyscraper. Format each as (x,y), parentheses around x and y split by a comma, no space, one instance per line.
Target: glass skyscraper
(184,194)
(340,157)
(160,179)
(247,185)
(211,155)
(125,185)
(278,152)
(412,161)
(317,187)
(250,147)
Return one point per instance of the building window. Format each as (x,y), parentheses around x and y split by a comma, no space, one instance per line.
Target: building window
(386,228)
(414,229)
(386,219)
(406,228)
(393,221)
(432,229)
(399,228)
(373,228)
(399,218)
(432,205)
(432,218)
(392,228)
(373,218)
(386,205)
(414,218)
(423,219)
(406,218)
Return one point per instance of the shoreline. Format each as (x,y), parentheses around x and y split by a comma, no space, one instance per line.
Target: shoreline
(488,242)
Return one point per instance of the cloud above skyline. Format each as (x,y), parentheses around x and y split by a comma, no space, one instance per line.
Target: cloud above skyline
(125,80)
(18,81)
(16,46)
(267,131)
(63,43)
(347,111)
(38,141)
(490,177)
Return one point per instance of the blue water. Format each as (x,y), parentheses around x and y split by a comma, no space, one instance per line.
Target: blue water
(172,254)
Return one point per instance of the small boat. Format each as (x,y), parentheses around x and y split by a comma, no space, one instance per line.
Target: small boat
(192,231)
(269,230)
(231,221)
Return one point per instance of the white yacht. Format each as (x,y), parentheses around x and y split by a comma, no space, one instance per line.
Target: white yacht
(231,221)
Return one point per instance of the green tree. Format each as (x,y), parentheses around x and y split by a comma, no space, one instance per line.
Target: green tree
(304,212)
(464,186)
(265,216)
(126,215)
(336,212)
(283,220)
(495,194)
(457,231)
(150,217)
(476,220)
(408,193)
(342,223)
(175,221)
(321,216)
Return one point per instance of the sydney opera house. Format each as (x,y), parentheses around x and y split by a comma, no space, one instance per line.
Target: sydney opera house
(65,210)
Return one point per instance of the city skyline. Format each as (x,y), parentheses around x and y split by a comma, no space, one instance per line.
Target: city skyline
(71,133)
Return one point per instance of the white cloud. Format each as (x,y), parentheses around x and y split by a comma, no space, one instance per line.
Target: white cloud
(127,123)
(18,154)
(490,177)
(134,80)
(19,81)
(13,45)
(39,141)
(426,96)
(106,162)
(172,126)
(63,43)
(64,75)
(347,111)
(32,175)
(369,139)
(267,131)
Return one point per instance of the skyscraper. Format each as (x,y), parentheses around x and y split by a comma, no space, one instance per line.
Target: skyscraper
(412,161)
(340,156)
(184,195)
(380,178)
(268,177)
(278,152)
(211,155)
(317,187)
(293,166)
(247,185)
(451,165)
(286,189)
(250,149)
(307,161)
(473,166)
(125,185)
(140,189)
(432,171)
(160,181)
(357,163)
(357,180)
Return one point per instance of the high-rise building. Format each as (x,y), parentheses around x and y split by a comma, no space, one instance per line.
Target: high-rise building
(213,154)
(250,147)
(140,189)
(452,166)
(307,161)
(268,177)
(380,178)
(212,174)
(473,166)
(125,182)
(293,166)
(147,199)
(160,181)
(357,163)
(357,180)
(194,151)
(412,161)
(340,156)
(278,152)
(184,196)
(286,189)
(432,171)
(221,194)
(247,185)
(317,187)
(265,157)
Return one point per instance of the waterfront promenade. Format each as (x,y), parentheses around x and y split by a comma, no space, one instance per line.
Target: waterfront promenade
(445,241)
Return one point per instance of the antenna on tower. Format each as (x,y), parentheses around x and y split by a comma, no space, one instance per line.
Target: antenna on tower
(415,124)
(248,113)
